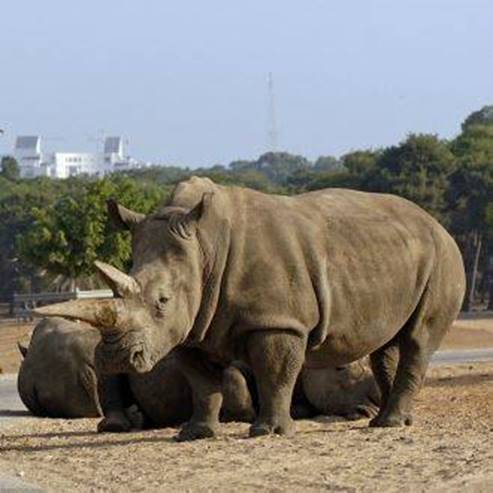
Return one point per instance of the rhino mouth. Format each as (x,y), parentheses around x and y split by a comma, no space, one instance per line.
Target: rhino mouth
(123,354)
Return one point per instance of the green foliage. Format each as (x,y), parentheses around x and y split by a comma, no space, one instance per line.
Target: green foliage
(68,235)
(9,168)
(482,117)
(418,169)
(58,228)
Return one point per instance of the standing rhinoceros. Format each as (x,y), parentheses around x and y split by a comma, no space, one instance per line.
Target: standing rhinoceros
(329,277)
(57,378)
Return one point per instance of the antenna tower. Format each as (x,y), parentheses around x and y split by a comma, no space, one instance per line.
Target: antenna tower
(272,129)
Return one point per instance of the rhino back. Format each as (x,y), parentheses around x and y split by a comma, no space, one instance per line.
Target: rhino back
(57,376)
(348,268)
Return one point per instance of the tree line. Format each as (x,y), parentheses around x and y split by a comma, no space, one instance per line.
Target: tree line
(51,231)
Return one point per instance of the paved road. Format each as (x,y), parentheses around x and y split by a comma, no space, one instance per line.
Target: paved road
(455,357)
(11,406)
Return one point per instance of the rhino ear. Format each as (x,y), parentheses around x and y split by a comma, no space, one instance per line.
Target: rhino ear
(196,214)
(121,217)
(22,349)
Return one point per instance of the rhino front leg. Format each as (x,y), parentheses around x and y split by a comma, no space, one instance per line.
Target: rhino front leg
(114,392)
(276,359)
(206,384)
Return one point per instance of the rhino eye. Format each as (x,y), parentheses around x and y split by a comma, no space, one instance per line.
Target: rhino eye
(161,302)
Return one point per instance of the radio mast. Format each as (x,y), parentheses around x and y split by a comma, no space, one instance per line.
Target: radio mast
(272,128)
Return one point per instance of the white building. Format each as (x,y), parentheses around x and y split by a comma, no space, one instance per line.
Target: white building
(27,152)
(65,164)
(33,162)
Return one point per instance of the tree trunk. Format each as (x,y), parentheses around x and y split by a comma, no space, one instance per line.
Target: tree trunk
(73,285)
(473,271)
(489,274)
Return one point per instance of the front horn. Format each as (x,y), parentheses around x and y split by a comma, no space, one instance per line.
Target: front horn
(102,314)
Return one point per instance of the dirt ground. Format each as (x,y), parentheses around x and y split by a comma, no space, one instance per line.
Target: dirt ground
(448,449)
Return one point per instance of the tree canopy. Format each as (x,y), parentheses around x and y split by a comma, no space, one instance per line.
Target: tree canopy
(51,229)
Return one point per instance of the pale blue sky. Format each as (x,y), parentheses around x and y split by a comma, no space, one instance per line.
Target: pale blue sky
(187,80)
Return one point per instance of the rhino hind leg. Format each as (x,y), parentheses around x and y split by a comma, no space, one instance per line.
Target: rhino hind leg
(417,340)
(276,359)
(383,363)
(238,404)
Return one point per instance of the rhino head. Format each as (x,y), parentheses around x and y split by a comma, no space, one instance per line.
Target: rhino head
(154,306)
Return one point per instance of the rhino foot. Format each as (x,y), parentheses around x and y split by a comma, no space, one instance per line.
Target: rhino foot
(360,412)
(136,417)
(261,428)
(195,431)
(391,421)
(115,423)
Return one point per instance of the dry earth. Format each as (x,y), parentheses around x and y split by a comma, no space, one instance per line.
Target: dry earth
(448,449)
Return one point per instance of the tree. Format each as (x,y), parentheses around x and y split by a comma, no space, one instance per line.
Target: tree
(470,196)
(67,236)
(10,168)
(484,116)
(328,164)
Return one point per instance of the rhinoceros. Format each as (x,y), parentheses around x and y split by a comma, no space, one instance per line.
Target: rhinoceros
(325,278)
(57,378)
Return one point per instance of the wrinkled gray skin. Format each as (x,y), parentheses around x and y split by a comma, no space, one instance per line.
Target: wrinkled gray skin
(325,277)
(57,376)
(57,379)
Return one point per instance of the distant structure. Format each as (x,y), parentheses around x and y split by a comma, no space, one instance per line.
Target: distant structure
(272,130)
(27,152)
(33,162)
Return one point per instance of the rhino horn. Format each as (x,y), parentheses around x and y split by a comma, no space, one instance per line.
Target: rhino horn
(121,217)
(120,283)
(104,314)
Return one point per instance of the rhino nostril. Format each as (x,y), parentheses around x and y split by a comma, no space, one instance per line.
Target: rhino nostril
(137,357)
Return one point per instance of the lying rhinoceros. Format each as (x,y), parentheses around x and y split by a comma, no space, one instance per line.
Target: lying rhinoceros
(325,277)
(57,378)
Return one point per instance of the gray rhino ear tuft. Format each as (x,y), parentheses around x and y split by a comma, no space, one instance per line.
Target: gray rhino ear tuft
(121,217)
(22,349)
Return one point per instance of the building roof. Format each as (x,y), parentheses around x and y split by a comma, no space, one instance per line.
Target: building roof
(28,142)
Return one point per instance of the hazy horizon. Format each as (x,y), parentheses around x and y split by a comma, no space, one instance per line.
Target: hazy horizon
(187,82)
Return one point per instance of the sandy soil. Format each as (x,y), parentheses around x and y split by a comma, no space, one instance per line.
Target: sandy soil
(448,449)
